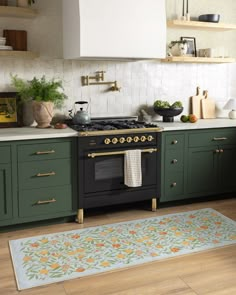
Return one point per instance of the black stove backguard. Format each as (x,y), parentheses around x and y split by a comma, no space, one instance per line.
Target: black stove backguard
(101,170)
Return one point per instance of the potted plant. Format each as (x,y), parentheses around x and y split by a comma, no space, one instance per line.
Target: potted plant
(25,3)
(44,96)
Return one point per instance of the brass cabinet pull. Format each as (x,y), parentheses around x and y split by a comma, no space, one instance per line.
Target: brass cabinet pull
(174,161)
(219,138)
(173,184)
(45,152)
(46,174)
(217,151)
(94,155)
(175,141)
(46,202)
(221,150)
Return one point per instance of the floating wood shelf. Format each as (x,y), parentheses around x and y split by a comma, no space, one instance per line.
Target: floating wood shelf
(189,59)
(18,54)
(21,12)
(195,25)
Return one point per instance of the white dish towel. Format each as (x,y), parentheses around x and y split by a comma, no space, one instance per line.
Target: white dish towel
(133,168)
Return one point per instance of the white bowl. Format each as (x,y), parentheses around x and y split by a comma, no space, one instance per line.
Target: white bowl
(2,42)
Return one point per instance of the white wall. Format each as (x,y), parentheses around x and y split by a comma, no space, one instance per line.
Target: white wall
(142,82)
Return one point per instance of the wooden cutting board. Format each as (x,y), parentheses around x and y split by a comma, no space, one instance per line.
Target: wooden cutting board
(208,107)
(196,104)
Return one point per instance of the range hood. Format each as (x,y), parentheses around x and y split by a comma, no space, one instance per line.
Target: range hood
(109,29)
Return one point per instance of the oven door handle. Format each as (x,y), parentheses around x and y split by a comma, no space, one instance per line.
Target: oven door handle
(94,155)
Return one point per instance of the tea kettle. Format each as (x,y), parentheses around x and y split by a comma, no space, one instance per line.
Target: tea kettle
(81,117)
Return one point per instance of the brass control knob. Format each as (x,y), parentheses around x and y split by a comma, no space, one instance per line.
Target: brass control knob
(129,139)
(150,138)
(122,140)
(136,139)
(175,141)
(114,140)
(107,140)
(143,138)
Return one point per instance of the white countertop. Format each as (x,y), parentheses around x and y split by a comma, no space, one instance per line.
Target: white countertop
(200,124)
(24,133)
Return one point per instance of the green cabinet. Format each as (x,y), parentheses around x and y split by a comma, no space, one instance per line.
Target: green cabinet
(203,163)
(37,180)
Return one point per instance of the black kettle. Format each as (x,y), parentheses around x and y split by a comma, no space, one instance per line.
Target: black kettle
(81,117)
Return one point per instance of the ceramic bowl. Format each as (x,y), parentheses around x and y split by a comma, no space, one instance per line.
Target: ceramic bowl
(168,114)
(213,18)
(2,41)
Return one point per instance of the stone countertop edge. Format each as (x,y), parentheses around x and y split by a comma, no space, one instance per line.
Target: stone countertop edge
(28,133)
(200,124)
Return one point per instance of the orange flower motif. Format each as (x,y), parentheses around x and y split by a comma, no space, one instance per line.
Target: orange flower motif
(191,238)
(43,271)
(71,253)
(54,265)
(192,216)
(189,222)
(44,241)
(162,233)
(44,259)
(79,250)
(204,226)
(100,245)
(174,228)
(185,243)
(103,233)
(80,269)
(90,260)
(219,235)
(233,237)
(204,218)
(122,256)
(81,256)
(174,249)
(75,236)
(56,254)
(215,241)
(27,258)
(159,246)
(132,232)
(89,239)
(113,239)
(218,222)
(128,251)
(34,245)
(151,228)
(154,254)
(162,222)
(116,245)
(105,263)
(178,233)
(67,244)
(139,252)
(44,252)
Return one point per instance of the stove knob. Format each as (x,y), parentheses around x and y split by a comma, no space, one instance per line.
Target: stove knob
(136,139)
(150,138)
(114,140)
(129,139)
(122,140)
(107,140)
(143,138)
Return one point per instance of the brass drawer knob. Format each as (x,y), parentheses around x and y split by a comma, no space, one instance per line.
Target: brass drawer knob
(221,150)
(217,151)
(173,184)
(174,161)
(175,141)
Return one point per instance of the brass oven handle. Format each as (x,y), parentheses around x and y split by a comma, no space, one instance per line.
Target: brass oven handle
(45,152)
(94,155)
(46,202)
(46,174)
(219,138)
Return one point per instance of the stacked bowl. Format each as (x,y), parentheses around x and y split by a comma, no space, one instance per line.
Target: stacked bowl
(2,44)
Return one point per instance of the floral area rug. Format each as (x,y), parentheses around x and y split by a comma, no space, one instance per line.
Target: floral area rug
(62,256)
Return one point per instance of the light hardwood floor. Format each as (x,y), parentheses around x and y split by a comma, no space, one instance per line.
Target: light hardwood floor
(211,272)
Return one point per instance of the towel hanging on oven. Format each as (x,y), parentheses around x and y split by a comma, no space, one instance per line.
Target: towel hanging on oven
(133,168)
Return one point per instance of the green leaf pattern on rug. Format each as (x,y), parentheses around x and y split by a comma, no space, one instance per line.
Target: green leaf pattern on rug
(119,245)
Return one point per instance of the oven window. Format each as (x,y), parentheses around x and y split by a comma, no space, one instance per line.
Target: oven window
(109,169)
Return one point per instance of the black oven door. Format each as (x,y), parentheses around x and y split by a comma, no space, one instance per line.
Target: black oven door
(105,172)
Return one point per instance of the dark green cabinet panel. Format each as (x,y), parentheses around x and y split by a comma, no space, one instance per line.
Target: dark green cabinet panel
(202,170)
(44,173)
(37,202)
(5,155)
(174,187)
(44,151)
(174,160)
(5,192)
(174,141)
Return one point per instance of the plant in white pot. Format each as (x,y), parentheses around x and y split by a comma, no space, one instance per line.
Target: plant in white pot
(44,95)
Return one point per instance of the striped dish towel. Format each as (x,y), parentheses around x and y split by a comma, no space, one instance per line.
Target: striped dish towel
(133,168)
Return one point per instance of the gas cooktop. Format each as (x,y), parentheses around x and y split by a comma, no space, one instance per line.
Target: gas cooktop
(103,127)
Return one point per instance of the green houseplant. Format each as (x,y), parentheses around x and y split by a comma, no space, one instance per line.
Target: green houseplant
(44,95)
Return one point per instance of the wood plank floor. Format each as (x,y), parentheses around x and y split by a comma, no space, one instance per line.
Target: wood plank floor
(211,272)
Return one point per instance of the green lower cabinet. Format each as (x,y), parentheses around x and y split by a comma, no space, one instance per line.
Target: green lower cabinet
(174,186)
(227,168)
(202,170)
(5,192)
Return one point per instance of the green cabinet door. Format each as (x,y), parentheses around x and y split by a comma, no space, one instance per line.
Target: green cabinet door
(202,173)
(5,192)
(227,167)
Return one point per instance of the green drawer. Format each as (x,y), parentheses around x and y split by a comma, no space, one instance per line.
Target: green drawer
(44,173)
(213,137)
(174,141)
(174,187)
(44,151)
(5,155)
(174,160)
(45,201)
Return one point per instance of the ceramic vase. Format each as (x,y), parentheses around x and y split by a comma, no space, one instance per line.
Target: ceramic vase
(43,113)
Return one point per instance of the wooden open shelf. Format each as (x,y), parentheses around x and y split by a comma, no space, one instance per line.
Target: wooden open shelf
(189,59)
(18,54)
(21,12)
(195,25)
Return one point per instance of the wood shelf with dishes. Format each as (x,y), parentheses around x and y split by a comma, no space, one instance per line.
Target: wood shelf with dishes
(198,25)
(21,12)
(18,54)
